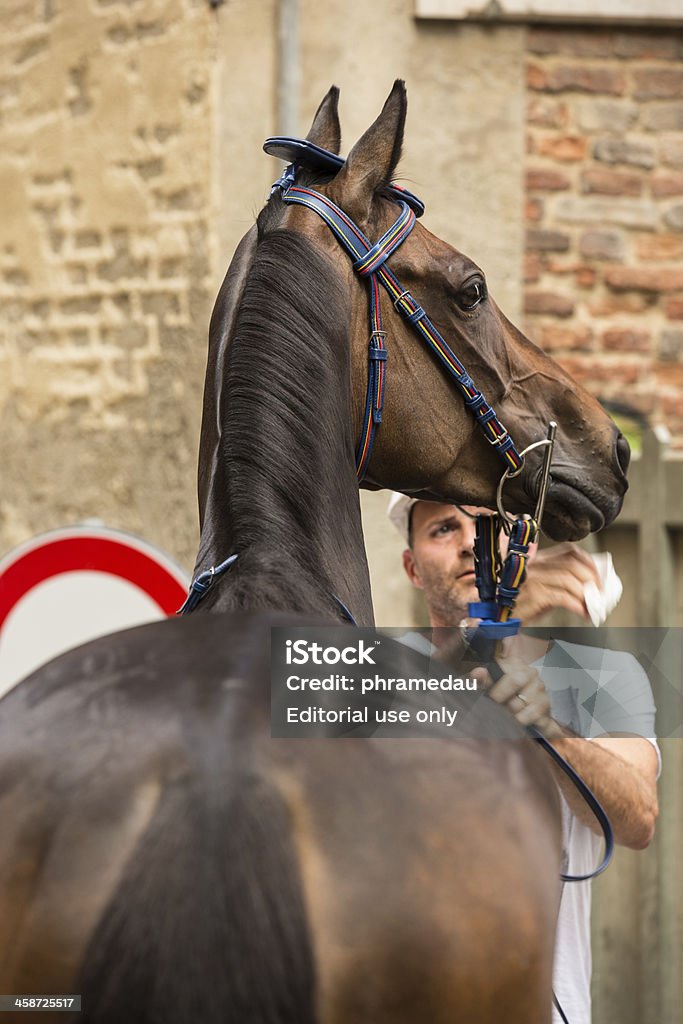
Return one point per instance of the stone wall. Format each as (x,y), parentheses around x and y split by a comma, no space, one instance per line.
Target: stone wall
(105,183)
(604,209)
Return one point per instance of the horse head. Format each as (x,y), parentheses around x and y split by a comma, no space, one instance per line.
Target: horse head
(428,443)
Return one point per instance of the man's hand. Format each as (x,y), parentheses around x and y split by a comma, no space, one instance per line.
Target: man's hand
(555,579)
(621,771)
(521,690)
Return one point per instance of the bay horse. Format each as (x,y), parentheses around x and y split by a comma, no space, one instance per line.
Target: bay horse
(160,853)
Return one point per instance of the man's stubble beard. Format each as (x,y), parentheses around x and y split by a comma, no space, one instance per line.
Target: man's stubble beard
(448,597)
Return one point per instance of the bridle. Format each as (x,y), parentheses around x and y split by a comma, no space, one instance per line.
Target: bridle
(370,263)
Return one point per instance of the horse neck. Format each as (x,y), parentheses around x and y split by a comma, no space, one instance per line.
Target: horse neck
(283,492)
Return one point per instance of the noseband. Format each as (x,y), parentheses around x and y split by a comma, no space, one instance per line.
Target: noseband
(369,262)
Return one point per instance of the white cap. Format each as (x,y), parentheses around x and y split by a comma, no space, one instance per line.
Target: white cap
(398,510)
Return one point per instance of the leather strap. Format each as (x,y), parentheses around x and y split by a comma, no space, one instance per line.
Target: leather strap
(296,151)
(370,261)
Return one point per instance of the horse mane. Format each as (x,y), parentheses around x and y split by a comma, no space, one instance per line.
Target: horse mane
(286,410)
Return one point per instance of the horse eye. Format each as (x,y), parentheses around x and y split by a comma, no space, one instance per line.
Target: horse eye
(474,292)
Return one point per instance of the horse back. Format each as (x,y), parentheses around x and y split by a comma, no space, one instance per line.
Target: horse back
(172,862)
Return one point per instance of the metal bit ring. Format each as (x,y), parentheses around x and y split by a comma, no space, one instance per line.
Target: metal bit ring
(507,519)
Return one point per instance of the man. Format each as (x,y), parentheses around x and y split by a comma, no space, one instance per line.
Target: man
(621,770)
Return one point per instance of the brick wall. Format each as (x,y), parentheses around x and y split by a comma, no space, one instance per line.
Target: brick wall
(604,209)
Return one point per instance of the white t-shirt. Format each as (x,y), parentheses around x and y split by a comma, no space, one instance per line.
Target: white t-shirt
(592,691)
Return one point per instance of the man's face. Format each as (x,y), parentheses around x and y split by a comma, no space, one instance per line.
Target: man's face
(441,561)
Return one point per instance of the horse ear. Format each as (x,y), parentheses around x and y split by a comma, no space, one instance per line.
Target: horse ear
(325,130)
(373,160)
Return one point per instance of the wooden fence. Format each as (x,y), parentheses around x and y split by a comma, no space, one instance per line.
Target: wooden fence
(638,903)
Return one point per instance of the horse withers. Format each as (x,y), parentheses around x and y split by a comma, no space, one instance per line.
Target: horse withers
(160,853)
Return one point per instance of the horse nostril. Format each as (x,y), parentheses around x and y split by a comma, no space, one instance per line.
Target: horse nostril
(623,453)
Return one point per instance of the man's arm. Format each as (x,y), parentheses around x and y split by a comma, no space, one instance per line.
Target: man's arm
(621,771)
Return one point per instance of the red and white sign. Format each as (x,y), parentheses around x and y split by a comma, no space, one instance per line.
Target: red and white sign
(68,586)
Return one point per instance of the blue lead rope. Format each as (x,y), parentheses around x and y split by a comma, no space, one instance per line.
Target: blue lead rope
(493,609)
(590,798)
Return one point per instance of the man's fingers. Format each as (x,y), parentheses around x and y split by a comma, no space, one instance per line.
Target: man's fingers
(528,715)
(565,561)
(559,590)
(522,691)
(513,682)
(572,604)
(532,709)
(482,677)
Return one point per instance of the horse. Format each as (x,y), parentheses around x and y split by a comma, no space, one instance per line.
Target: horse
(160,852)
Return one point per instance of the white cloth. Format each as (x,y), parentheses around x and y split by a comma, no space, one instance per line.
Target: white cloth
(603,598)
(592,691)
